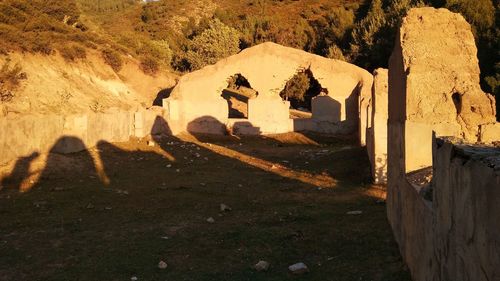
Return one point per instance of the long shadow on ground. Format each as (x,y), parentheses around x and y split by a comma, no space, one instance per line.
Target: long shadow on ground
(116,217)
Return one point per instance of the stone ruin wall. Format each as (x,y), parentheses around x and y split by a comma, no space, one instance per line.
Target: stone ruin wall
(376,135)
(196,102)
(190,108)
(434,87)
(434,78)
(24,135)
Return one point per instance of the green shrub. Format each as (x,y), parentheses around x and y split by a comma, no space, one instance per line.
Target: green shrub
(479,13)
(300,89)
(160,50)
(113,59)
(334,52)
(216,42)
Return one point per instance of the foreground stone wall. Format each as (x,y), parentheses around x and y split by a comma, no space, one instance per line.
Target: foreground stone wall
(434,82)
(466,218)
(267,67)
(24,135)
(434,89)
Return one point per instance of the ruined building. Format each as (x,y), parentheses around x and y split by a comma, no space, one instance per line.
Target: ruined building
(429,129)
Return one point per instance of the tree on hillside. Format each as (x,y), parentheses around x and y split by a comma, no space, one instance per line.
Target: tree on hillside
(479,13)
(214,43)
(366,34)
(373,37)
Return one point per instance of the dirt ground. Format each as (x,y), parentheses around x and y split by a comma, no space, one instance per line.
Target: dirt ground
(290,196)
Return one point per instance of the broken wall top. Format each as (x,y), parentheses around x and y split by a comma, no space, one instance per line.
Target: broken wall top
(268,67)
(435,59)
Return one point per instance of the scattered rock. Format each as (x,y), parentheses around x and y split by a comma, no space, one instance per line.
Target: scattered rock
(210,220)
(165,237)
(298,268)
(169,166)
(354,212)
(90,206)
(225,208)
(261,266)
(133,278)
(203,184)
(162,265)
(108,208)
(39,204)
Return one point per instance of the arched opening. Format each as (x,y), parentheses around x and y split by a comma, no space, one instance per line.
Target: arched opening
(237,94)
(300,90)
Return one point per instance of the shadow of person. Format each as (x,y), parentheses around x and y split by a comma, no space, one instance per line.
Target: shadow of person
(68,167)
(20,172)
(206,125)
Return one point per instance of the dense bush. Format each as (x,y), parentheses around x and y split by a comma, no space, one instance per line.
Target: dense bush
(214,43)
(300,89)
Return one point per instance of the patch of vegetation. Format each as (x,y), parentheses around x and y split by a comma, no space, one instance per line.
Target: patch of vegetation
(300,89)
(211,45)
(357,31)
(10,79)
(113,59)
(149,65)
(73,52)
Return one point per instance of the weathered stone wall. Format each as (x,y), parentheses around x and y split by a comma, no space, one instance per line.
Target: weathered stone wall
(434,78)
(466,182)
(268,67)
(434,88)
(376,136)
(24,135)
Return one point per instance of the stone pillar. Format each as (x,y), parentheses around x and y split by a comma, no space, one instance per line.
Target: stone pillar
(377,134)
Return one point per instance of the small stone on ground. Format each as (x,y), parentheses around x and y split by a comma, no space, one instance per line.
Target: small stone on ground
(261,266)
(298,268)
(162,265)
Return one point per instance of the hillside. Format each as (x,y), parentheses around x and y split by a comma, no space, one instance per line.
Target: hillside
(169,36)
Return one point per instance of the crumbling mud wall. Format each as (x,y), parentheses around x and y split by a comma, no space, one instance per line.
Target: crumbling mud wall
(434,78)
(434,89)
(268,67)
(376,136)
